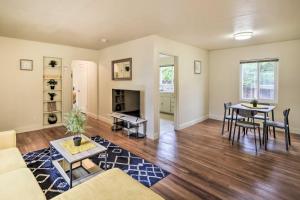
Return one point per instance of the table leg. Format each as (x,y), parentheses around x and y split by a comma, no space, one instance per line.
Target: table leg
(145,127)
(273,126)
(265,131)
(231,124)
(71,177)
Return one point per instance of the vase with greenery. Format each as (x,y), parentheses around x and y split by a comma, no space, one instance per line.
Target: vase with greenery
(52,84)
(75,124)
(254,103)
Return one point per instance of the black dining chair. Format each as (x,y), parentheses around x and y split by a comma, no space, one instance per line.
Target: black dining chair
(250,114)
(282,125)
(262,118)
(227,116)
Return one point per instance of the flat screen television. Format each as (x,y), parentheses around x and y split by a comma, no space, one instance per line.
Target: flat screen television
(126,102)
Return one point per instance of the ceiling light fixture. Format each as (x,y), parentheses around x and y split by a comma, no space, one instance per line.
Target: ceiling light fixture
(104,40)
(243,35)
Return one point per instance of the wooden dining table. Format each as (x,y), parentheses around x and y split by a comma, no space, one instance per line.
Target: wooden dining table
(264,109)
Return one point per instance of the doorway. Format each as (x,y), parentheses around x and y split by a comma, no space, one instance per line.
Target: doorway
(167,85)
(84,82)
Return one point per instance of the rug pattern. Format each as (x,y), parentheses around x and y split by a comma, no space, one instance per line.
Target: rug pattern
(53,184)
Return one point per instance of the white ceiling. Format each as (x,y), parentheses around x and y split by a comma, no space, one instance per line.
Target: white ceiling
(208,24)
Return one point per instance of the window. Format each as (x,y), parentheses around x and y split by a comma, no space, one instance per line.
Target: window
(167,78)
(259,80)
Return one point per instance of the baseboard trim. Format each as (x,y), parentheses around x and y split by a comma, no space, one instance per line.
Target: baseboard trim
(28,129)
(192,122)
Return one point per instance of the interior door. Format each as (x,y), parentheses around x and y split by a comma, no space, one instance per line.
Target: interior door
(80,85)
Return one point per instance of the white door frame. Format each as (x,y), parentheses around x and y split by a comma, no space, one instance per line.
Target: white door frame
(176,91)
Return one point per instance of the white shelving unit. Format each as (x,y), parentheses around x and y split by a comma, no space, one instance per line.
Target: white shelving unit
(52,93)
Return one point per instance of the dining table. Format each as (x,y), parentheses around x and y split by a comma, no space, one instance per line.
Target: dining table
(261,108)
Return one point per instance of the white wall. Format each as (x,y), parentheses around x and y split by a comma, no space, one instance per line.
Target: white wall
(141,52)
(193,89)
(21,101)
(224,77)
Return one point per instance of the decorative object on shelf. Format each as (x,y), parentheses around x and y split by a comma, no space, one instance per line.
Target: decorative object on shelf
(52,95)
(197,67)
(254,103)
(51,106)
(52,118)
(52,90)
(52,83)
(75,124)
(26,64)
(52,63)
(122,69)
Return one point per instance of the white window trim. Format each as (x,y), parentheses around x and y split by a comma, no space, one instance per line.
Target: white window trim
(276,79)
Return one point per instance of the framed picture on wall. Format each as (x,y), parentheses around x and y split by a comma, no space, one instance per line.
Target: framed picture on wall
(26,64)
(197,67)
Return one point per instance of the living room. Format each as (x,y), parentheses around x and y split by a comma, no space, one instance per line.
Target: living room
(235,71)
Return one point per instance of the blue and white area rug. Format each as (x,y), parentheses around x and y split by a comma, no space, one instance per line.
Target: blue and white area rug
(53,184)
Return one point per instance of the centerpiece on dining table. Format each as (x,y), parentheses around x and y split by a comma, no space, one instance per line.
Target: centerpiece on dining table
(254,103)
(75,124)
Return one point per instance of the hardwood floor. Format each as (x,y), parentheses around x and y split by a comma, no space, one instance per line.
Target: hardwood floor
(202,163)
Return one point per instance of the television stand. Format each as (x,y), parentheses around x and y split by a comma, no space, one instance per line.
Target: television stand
(129,124)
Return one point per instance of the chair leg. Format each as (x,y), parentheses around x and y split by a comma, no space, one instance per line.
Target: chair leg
(259,136)
(223,126)
(289,136)
(244,130)
(255,140)
(286,139)
(228,125)
(274,134)
(238,139)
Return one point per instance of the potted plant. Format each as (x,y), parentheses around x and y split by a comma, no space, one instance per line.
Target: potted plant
(52,63)
(75,124)
(52,83)
(52,95)
(254,103)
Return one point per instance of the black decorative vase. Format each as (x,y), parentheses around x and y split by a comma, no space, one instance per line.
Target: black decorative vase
(52,118)
(77,140)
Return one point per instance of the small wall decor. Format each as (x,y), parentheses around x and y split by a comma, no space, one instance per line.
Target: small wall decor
(26,64)
(197,67)
(122,69)
(52,62)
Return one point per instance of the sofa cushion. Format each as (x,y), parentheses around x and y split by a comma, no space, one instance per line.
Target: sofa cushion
(110,185)
(20,184)
(11,159)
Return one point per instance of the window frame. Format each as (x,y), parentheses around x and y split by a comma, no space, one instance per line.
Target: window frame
(168,65)
(276,79)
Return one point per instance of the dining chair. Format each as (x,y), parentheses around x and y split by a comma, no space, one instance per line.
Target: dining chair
(282,125)
(261,117)
(227,116)
(247,124)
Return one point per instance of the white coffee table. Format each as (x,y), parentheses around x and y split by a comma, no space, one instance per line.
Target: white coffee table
(69,163)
